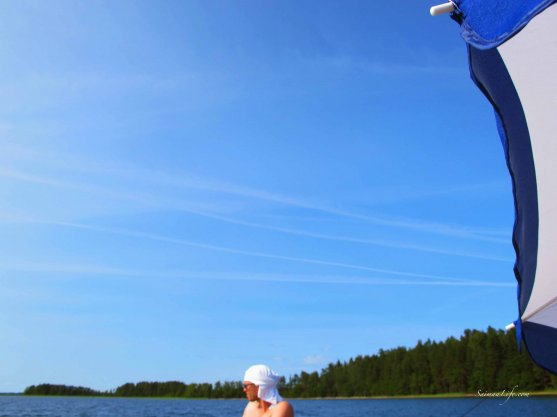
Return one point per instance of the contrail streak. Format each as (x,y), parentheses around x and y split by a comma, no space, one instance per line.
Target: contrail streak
(75,269)
(183,242)
(231,189)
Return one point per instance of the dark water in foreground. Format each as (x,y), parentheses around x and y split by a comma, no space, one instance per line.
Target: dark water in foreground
(19,406)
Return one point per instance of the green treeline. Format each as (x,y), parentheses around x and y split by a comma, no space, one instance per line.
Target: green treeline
(50,389)
(478,361)
(172,389)
(179,389)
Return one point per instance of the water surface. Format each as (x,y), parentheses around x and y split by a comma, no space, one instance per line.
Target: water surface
(21,406)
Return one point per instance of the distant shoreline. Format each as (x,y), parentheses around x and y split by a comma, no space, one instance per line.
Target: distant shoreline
(485,364)
(549,393)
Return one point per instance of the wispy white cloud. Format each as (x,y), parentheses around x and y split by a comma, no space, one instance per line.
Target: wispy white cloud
(318,359)
(37,179)
(391,69)
(410,192)
(431,279)
(297,232)
(348,239)
(144,199)
(149,177)
(210,247)
(76,269)
(48,90)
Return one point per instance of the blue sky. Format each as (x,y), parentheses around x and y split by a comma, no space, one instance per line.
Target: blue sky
(191,187)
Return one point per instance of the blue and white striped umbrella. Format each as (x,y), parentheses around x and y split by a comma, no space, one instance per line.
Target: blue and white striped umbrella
(512,47)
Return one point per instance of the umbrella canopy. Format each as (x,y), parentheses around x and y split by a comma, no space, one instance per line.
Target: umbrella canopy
(512,47)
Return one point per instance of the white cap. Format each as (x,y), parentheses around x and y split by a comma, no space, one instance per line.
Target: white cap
(267,380)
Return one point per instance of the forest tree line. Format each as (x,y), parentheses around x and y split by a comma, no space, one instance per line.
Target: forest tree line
(478,361)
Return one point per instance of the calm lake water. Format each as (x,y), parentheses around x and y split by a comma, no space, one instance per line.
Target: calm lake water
(19,406)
